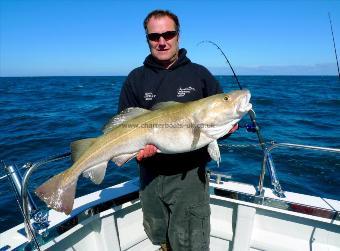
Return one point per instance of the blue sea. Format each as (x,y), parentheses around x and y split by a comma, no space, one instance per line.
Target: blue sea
(41,116)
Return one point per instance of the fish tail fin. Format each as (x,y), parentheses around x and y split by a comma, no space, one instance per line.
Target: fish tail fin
(57,193)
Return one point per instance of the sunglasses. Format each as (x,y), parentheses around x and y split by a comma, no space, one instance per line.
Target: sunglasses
(166,35)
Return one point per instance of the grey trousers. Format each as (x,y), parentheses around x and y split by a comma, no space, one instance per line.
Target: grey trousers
(176,209)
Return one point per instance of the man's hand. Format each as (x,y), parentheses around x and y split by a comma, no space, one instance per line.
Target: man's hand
(148,151)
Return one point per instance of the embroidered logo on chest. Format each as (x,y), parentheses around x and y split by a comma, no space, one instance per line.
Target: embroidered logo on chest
(181,92)
(149,96)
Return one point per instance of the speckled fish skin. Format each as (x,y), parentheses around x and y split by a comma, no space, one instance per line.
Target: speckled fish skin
(194,125)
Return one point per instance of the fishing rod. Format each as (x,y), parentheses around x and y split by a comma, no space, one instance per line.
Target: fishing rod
(255,128)
(336,55)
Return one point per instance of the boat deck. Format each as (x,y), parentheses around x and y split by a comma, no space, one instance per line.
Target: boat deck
(111,219)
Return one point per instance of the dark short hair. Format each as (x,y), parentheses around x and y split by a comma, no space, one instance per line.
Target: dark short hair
(161,13)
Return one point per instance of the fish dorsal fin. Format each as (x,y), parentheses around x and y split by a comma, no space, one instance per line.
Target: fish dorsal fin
(125,115)
(79,147)
(164,104)
(96,173)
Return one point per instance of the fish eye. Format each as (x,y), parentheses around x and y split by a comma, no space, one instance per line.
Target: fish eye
(226,98)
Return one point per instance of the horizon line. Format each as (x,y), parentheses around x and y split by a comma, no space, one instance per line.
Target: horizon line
(223,75)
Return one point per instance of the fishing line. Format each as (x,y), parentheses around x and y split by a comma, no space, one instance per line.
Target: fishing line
(336,55)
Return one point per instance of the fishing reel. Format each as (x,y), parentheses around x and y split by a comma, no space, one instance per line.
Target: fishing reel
(253,127)
(249,127)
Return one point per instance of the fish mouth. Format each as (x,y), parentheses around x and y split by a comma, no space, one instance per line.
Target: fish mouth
(244,106)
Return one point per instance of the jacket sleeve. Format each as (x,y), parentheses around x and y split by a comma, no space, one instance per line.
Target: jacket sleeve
(211,85)
(127,96)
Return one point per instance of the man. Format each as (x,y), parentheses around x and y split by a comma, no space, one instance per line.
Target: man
(174,188)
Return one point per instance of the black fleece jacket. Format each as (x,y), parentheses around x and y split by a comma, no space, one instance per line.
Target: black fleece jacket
(184,81)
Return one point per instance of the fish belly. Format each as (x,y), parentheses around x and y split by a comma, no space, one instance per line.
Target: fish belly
(178,140)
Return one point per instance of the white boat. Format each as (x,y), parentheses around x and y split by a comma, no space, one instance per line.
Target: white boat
(243,217)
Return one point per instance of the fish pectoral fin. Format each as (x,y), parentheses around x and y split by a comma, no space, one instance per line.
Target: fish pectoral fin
(214,152)
(123,158)
(125,115)
(79,147)
(57,193)
(196,131)
(96,173)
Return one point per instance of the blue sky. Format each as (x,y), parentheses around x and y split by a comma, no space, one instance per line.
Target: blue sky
(82,38)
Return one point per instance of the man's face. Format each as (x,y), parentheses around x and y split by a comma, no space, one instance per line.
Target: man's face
(165,51)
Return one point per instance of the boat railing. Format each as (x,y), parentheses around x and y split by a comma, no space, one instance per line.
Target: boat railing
(39,217)
(277,190)
(34,219)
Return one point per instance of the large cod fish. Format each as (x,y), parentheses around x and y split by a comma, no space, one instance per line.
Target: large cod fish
(172,127)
